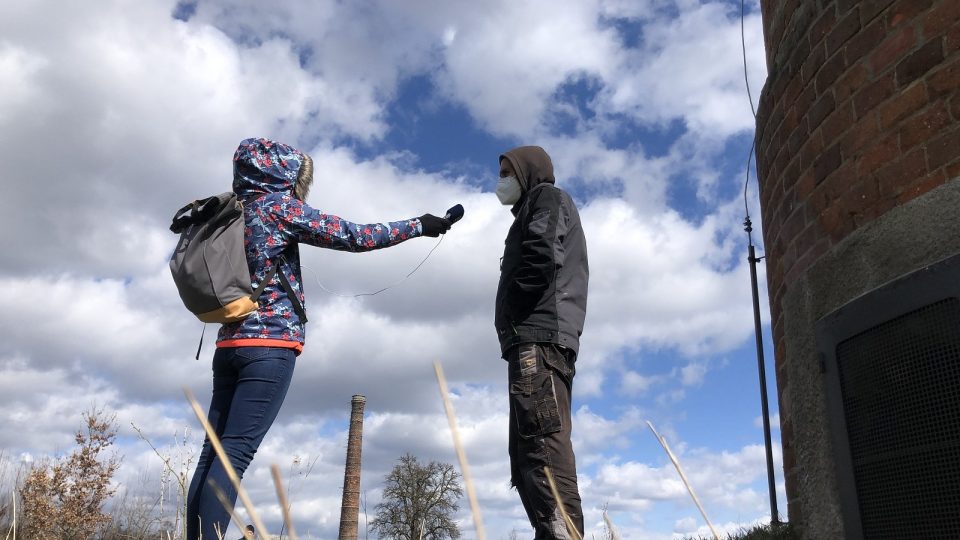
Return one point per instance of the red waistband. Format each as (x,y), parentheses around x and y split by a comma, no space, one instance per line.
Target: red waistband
(262,342)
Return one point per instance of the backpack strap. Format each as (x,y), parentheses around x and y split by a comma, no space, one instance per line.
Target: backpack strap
(291,294)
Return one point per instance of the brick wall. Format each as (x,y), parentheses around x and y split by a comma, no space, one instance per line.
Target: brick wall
(860,114)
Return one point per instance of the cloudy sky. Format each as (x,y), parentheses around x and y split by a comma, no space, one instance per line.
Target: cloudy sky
(116,115)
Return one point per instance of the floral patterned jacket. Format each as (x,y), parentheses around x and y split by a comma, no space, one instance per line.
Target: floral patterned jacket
(264,176)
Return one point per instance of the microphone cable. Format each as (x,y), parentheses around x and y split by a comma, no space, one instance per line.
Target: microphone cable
(392,285)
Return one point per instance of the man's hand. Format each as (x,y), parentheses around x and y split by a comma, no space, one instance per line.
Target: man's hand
(434,226)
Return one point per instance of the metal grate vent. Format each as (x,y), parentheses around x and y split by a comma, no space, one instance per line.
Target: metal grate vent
(900,388)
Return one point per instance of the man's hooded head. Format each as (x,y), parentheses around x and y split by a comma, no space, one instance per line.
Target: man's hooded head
(262,166)
(531,164)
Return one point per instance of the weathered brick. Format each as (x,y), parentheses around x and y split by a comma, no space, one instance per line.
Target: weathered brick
(902,105)
(776,83)
(871,206)
(805,100)
(919,62)
(822,196)
(769,189)
(800,52)
(865,41)
(826,163)
(781,373)
(789,255)
(945,80)
(923,125)
(831,221)
(809,237)
(790,92)
(895,176)
(878,155)
(831,70)
(794,223)
(790,120)
(835,186)
(781,161)
(951,40)
(807,259)
(921,186)
(872,95)
(811,65)
(804,185)
(792,172)
(893,48)
(940,18)
(842,31)
(822,26)
(905,11)
(944,148)
(838,122)
(861,134)
(799,136)
(952,170)
(811,150)
(850,82)
(779,351)
(844,6)
(862,194)
(872,8)
(824,106)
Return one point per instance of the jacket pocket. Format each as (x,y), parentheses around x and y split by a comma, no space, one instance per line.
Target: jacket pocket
(533,393)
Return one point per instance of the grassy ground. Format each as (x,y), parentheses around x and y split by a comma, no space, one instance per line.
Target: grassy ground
(762,532)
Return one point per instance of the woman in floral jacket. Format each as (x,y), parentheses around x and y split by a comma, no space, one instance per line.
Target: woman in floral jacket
(254,360)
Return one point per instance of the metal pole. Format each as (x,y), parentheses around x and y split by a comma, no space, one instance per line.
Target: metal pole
(771,484)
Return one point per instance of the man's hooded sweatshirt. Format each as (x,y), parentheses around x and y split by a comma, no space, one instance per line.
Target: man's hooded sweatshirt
(542,296)
(264,177)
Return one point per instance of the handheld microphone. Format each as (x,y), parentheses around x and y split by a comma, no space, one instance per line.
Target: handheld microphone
(454,214)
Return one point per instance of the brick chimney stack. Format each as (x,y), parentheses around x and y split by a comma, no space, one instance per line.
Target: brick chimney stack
(350,509)
(858,156)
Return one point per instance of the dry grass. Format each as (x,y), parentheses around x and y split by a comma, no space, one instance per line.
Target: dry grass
(461,455)
(9,511)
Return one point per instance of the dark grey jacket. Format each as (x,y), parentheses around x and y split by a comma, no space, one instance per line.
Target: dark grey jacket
(542,296)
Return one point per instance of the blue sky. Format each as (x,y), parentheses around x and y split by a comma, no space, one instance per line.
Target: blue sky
(122,115)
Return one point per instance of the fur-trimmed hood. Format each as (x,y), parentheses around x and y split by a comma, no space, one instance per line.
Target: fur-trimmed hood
(262,166)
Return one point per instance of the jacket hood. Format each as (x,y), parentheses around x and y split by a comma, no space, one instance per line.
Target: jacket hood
(262,166)
(532,164)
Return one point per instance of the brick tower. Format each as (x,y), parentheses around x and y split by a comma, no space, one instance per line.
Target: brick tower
(350,508)
(858,155)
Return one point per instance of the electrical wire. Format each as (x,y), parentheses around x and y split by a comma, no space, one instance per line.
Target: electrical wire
(392,285)
(743,47)
(746,82)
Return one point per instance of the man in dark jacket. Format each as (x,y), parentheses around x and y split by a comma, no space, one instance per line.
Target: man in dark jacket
(540,309)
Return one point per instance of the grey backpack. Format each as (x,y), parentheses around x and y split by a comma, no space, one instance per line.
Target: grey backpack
(209,265)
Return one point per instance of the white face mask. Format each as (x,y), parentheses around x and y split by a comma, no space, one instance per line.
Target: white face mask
(508,190)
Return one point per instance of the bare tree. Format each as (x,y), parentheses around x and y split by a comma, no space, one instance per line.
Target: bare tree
(419,501)
(65,498)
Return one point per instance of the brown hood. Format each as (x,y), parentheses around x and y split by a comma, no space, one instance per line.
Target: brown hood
(532,164)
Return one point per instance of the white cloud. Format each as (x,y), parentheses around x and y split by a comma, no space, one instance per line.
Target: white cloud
(122,115)
(691,67)
(693,374)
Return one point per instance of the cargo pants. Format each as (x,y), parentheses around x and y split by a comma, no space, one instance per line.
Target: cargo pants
(540,377)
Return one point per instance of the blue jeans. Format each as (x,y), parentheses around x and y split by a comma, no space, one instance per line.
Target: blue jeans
(249,384)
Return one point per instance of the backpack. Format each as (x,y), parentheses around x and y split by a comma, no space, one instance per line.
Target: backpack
(209,265)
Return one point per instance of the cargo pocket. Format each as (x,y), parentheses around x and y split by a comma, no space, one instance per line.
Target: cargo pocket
(534,394)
